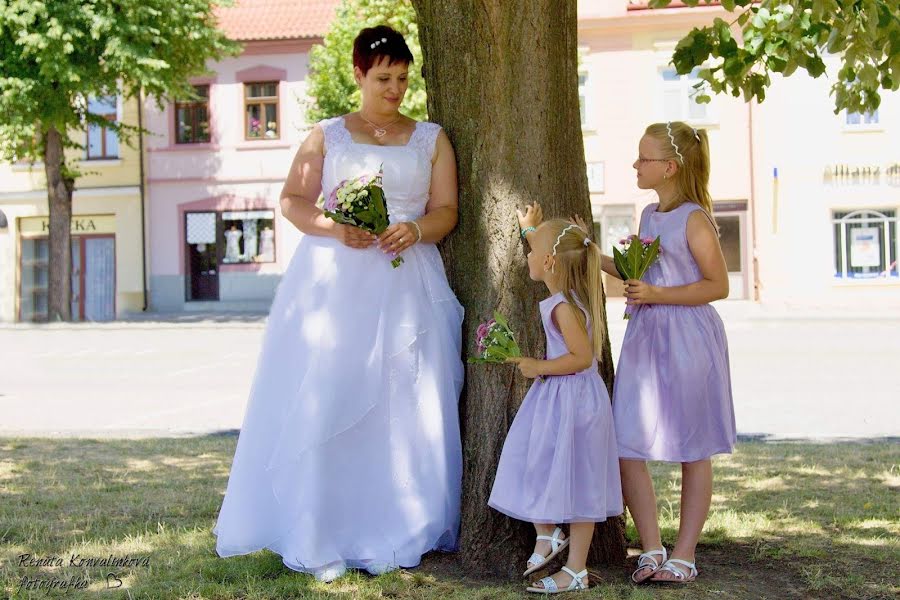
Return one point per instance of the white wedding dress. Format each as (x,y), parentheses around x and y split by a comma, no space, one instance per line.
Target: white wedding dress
(349,455)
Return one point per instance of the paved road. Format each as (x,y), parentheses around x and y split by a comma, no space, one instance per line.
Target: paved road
(820,377)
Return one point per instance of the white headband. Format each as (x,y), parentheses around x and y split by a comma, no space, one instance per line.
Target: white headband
(560,236)
(672,138)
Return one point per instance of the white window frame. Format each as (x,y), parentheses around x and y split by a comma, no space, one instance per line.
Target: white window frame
(685,86)
(596,176)
(867,216)
(119,114)
(584,92)
(603,213)
(860,127)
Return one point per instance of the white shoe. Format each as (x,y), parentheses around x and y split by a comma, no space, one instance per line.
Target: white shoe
(380,568)
(330,574)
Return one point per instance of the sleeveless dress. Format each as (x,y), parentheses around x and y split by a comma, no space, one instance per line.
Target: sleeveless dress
(559,462)
(672,397)
(349,454)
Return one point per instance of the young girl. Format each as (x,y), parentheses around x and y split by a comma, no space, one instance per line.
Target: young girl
(672,397)
(559,460)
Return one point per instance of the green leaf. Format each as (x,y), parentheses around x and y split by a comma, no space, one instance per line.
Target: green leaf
(619,260)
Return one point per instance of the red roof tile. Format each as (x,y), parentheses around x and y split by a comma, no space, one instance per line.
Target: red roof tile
(276,19)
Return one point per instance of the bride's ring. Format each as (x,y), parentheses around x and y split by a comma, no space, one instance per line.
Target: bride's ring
(401,240)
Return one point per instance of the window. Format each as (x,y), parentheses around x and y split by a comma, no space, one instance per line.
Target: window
(865,244)
(616,222)
(261,110)
(595,176)
(678,97)
(582,98)
(102,142)
(192,118)
(855,120)
(248,236)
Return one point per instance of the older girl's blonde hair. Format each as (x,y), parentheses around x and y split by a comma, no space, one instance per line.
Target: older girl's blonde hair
(577,264)
(689,148)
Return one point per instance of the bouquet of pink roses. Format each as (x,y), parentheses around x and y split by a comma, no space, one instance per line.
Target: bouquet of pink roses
(360,202)
(635,258)
(495,341)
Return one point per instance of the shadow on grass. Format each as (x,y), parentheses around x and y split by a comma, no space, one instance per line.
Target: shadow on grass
(780,511)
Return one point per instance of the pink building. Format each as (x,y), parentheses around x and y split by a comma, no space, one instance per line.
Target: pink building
(215,166)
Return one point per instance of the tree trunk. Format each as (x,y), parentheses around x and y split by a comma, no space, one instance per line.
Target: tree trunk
(59,197)
(502,81)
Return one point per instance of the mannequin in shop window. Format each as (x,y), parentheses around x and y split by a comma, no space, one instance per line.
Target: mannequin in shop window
(232,244)
(267,244)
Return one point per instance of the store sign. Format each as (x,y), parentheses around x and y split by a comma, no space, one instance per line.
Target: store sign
(872,174)
(80,225)
(865,247)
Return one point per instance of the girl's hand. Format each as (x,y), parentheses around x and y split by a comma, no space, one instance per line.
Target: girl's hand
(580,222)
(397,238)
(354,237)
(640,292)
(527,366)
(532,217)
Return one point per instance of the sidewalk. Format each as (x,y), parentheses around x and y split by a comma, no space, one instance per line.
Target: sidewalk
(730,311)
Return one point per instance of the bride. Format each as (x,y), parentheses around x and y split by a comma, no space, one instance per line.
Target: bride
(349,455)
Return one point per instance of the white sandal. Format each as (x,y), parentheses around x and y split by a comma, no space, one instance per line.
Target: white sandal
(537,561)
(647,560)
(576,585)
(680,576)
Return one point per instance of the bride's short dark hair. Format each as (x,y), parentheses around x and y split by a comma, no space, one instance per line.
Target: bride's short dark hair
(373,43)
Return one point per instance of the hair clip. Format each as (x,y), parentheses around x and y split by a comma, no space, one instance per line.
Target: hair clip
(376,43)
(696,135)
(587,242)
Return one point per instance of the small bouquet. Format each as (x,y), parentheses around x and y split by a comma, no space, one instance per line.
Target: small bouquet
(495,342)
(360,202)
(635,258)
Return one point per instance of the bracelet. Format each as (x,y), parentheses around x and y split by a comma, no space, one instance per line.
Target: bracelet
(526,230)
(418,230)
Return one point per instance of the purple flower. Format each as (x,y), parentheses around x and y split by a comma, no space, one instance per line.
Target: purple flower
(623,241)
(482,331)
(647,241)
(331,203)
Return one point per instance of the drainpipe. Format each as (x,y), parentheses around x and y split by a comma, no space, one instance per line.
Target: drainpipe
(140,98)
(753,204)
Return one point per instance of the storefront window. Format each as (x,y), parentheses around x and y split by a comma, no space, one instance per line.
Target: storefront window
(248,236)
(865,244)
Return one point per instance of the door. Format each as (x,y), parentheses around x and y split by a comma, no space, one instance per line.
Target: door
(731,238)
(99,289)
(201,253)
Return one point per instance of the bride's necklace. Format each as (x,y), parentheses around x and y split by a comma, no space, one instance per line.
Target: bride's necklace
(380,131)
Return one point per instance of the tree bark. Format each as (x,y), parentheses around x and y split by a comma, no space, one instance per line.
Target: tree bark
(502,81)
(59,196)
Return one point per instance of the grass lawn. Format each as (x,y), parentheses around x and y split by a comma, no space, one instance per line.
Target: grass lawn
(788,520)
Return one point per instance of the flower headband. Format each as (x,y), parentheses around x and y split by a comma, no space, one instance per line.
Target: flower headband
(672,138)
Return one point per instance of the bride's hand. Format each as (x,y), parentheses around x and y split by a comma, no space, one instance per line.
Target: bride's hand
(354,237)
(397,238)
(532,217)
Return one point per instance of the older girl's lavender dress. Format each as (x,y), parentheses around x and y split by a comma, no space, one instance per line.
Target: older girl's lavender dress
(672,397)
(559,462)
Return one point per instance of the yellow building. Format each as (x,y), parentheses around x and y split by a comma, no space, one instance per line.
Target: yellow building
(107,230)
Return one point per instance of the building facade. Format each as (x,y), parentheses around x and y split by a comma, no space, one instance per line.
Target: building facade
(217,163)
(106,227)
(807,201)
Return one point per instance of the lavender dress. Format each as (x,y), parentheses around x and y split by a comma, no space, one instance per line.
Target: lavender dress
(559,461)
(672,397)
